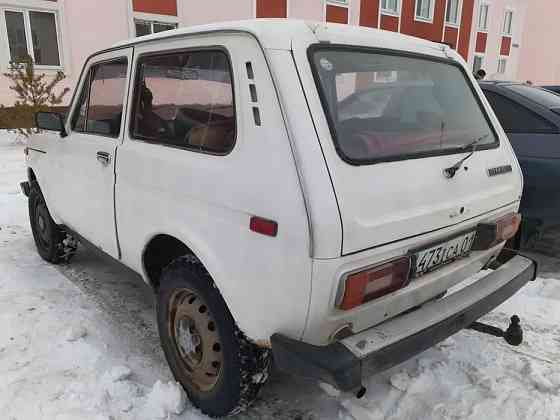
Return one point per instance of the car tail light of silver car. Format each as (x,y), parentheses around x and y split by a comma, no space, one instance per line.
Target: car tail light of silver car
(491,234)
(374,282)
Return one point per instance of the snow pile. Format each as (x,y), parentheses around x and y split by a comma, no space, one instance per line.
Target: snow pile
(164,399)
(75,333)
(118,373)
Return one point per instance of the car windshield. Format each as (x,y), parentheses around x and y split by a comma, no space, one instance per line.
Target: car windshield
(389,107)
(540,96)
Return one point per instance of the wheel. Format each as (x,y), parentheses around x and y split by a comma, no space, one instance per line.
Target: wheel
(219,368)
(53,243)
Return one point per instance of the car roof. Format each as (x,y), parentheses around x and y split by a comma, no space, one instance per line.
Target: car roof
(284,33)
(498,83)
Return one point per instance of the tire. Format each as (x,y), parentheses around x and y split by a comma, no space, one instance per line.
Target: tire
(53,243)
(219,368)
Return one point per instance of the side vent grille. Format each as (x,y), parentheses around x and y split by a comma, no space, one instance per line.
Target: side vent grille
(250,73)
(257,116)
(253,93)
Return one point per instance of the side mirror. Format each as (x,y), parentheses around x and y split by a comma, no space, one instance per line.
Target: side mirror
(52,121)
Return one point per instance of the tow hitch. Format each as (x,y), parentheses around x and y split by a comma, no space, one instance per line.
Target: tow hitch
(513,335)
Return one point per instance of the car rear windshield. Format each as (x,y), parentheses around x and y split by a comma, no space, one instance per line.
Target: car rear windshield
(384,107)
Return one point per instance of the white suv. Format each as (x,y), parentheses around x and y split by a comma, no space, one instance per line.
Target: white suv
(303,190)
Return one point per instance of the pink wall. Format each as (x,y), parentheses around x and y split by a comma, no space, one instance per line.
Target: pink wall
(540,58)
(312,10)
(207,11)
(492,54)
(85,27)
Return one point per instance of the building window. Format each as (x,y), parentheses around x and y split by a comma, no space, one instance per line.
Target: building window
(390,6)
(35,34)
(338,2)
(147,27)
(508,20)
(502,62)
(424,9)
(477,63)
(483,17)
(452,14)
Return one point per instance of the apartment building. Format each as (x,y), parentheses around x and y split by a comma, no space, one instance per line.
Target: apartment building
(60,34)
(496,35)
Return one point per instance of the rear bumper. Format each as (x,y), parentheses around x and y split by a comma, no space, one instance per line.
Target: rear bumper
(388,344)
(25,188)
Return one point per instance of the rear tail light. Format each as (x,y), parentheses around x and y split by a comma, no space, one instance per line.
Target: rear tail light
(374,282)
(489,235)
(507,226)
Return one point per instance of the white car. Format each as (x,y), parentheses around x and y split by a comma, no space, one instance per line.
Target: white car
(215,161)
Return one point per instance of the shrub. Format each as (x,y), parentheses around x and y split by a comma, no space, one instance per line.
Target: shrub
(34,93)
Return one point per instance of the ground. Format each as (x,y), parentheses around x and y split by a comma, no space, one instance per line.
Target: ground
(80,342)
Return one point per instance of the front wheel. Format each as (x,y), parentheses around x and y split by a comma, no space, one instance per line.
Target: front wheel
(219,368)
(53,244)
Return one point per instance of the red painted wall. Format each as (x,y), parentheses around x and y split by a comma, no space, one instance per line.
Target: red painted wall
(431,31)
(390,23)
(337,14)
(272,8)
(481,38)
(369,10)
(161,7)
(506,45)
(466,25)
(450,36)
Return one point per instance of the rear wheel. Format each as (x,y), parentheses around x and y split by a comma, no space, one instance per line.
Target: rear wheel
(219,368)
(53,243)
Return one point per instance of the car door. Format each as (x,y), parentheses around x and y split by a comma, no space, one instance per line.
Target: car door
(535,138)
(85,163)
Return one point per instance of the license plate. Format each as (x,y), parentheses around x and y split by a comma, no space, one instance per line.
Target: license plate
(435,256)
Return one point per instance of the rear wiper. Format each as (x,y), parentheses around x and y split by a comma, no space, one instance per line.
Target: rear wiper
(452,170)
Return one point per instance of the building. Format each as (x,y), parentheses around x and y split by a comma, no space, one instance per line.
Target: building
(60,34)
(497,31)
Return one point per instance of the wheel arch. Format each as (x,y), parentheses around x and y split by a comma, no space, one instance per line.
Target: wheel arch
(163,248)
(158,252)
(31,175)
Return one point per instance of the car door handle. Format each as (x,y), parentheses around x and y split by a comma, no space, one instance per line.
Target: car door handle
(104,158)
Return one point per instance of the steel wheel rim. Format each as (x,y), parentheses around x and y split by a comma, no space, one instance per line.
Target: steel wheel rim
(195,337)
(42,226)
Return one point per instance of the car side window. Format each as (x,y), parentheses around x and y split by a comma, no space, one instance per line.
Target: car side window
(517,118)
(100,106)
(185,99)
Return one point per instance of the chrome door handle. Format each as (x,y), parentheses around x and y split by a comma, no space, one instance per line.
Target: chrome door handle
(104,158)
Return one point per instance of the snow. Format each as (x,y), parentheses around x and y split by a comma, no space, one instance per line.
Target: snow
(75,333)
(165,399)
(79,342)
